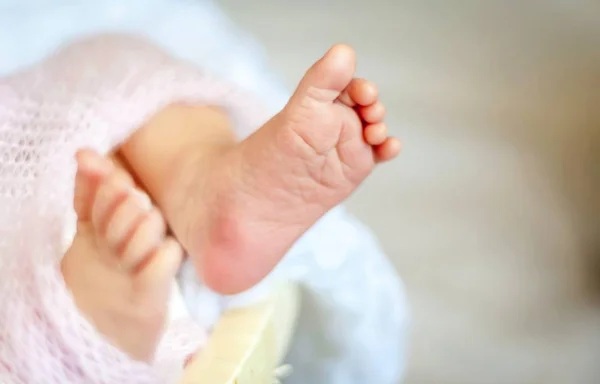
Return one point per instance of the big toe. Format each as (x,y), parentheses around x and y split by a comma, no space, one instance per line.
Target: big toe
(91,168)
(330,75)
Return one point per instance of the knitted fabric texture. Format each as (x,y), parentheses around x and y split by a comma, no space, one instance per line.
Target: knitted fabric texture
(93,93)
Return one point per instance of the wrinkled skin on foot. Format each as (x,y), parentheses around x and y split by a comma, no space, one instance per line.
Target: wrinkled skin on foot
(273,186)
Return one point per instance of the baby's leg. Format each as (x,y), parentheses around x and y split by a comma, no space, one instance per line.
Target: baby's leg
(238,208)
(121,266)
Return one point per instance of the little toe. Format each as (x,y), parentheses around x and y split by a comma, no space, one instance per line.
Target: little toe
(360,92)
(146,237)
(376,134)
(159,269)
(373,113)
(112,191)
(387,151)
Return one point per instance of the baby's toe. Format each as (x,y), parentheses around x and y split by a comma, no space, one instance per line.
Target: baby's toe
(376,134)
(144,240)
(160,268)
(91,170)
(112,191)
(360,92)
(128,214)
(91,162)
(371,114)
(388,150)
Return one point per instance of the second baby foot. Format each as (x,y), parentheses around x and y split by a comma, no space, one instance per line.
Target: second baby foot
(278,182)
(121,265)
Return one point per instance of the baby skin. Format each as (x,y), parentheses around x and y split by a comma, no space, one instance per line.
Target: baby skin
(235,207)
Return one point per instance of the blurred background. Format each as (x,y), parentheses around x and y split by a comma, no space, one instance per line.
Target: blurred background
(492,213)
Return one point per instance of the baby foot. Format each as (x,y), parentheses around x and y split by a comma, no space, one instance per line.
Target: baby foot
(281,180)
(121,266)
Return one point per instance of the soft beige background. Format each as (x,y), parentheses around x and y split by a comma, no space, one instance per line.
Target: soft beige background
(491,215)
